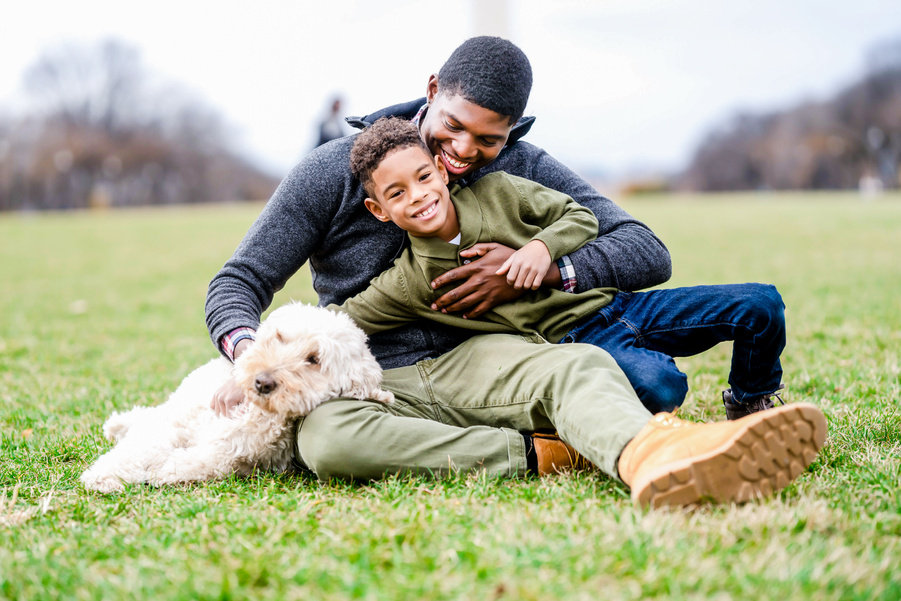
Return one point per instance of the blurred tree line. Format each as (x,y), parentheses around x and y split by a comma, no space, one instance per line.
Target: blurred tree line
(852,140)
(104,131)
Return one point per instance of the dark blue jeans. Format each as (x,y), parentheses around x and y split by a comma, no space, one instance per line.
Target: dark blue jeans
(643,331)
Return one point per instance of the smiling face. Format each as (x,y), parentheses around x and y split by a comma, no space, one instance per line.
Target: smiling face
(465,135)
(410,189)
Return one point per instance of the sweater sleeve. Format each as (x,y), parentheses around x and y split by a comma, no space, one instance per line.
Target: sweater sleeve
(625,255)
(279,242)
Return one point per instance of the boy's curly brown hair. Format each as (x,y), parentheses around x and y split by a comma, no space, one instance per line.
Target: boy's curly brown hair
(375,142)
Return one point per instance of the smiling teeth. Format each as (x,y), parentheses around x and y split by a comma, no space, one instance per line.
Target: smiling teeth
(454,163)
(428,211)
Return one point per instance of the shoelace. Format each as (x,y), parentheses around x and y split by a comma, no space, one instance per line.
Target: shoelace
(766,401)
(762,402)
(778,395)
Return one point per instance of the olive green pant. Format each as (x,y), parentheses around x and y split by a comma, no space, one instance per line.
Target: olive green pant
(464,411)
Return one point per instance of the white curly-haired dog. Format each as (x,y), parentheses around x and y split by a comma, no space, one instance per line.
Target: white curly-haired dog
(303,355)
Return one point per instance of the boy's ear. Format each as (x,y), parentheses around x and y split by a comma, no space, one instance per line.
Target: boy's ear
(376,209)
(439,165)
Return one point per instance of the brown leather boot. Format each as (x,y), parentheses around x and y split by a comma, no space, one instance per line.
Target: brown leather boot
(555,456)
(673,462)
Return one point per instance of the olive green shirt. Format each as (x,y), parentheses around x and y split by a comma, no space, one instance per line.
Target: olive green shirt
(498,208)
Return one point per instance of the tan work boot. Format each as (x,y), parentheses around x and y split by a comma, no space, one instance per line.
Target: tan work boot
(555,456)
(673,462)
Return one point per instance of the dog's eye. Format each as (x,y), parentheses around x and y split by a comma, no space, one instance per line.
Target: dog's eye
(313,360)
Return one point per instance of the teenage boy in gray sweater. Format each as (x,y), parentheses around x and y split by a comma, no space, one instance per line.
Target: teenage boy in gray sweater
(472,402)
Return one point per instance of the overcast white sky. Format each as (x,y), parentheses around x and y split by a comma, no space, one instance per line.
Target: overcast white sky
(618,84)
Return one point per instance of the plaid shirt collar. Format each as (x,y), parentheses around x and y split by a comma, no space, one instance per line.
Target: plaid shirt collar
(418,116)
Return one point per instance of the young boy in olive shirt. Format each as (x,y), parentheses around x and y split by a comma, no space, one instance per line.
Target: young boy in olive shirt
(409,188)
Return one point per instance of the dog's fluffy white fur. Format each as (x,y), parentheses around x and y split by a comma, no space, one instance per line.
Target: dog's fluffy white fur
(303,355)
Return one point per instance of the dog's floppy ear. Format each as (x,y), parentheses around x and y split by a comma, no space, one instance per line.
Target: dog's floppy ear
(349,366)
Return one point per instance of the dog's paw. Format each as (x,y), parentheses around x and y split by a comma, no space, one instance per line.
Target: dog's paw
(104,483)
(116,427)
(385,396)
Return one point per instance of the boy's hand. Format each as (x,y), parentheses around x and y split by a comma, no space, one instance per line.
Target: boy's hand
(527,267)
(482,288)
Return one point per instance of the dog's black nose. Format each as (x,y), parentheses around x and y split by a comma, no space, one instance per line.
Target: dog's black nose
(264,384)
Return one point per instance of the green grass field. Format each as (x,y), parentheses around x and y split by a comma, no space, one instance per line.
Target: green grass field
(104,311)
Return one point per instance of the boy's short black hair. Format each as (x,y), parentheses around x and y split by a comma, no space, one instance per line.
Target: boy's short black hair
(375,142)
(491,72)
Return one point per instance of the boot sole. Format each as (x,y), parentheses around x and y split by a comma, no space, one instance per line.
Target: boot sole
(773,448)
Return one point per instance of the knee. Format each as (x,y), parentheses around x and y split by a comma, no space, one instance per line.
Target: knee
(666,392)
(768,307)
(322,442)
(771,298)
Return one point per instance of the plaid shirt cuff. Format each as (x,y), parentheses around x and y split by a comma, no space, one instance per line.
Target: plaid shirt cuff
(231,340)
(567,273)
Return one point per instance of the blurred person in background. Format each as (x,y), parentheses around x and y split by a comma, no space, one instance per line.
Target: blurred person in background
(331,126)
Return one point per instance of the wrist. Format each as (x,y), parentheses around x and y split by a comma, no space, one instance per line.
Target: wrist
(565,273)
(242,346)
(236,342)
(552,277)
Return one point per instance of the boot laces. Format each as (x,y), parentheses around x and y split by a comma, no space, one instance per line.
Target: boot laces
(778,395)
(764,401)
